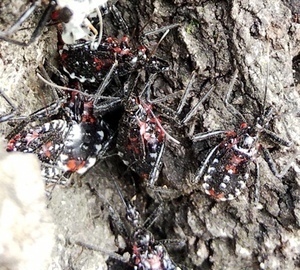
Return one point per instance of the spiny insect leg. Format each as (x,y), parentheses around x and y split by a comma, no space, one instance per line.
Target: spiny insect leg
(272,165)
(7,116)
(203,168)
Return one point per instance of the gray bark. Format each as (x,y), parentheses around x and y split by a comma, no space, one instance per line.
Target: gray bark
(214,38)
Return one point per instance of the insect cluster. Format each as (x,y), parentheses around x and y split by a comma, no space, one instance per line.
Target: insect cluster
(100,74)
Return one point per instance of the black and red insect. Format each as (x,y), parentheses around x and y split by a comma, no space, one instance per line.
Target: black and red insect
(91,65)
(86,64)
(141,138)
(150,119)
(71,142)
(146,253)
(141,142)
(226,169)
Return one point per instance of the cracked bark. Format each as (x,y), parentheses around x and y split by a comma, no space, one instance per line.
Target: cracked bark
(215,39)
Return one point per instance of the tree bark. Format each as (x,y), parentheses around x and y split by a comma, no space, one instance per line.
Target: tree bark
(258,38)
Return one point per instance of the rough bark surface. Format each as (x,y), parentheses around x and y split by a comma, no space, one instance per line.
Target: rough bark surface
(260,39)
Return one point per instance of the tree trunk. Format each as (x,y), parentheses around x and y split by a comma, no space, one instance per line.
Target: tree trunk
(260,39)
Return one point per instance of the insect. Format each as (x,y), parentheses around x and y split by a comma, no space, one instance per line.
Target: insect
(91,65)
(141,138)
(87,65)
(73,14)
(225,171)
(144,141)
(84,64)
(146,253)
(71,142)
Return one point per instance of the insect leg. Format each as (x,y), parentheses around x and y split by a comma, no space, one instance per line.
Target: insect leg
(7,116)
(272,165)
(157,166)
(206,135)
(275,138)
(42,22)
(119,18)
(202,169)
(229,106)
(257,183)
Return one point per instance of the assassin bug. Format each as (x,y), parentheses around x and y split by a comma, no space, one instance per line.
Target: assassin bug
(226,169)
(142,138)
(71,142)
(66,146)
(84,64)
(91,65)
(73,14)
(145,140)
(146,253)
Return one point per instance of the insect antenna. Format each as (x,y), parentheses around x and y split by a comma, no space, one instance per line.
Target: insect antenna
(64,88)
(185,95)
(113,255)
(263,110)
(228,105)
(167,30)
(193,111)
(183,100)
(117,221)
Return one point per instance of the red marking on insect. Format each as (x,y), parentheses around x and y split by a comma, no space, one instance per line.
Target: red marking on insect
(244,125)
(12,142)
(142,49)
(75,165)
(98,63)
(148,254)
(216,195)
(31,136)
(46,149)
(55,15)
(86,64)
(133,144)
(64,56)
(230,133)
(236,160)
(87,114)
